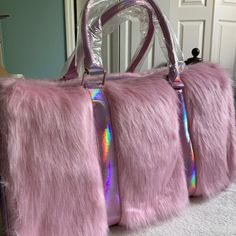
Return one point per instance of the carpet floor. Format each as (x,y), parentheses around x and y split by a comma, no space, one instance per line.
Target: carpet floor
(216,217)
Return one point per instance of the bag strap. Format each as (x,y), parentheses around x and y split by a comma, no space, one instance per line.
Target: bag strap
(73,69)
(90,64)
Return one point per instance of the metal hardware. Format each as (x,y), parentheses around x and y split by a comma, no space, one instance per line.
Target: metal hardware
(93,83)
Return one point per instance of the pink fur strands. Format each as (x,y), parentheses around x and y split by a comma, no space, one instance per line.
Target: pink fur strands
(54,176)
(144,115)
(211,115)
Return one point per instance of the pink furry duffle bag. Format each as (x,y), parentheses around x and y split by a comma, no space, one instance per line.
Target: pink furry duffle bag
(80,155)
(206,112)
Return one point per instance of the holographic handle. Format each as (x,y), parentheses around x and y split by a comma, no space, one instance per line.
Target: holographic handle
(74,68)
(91,65)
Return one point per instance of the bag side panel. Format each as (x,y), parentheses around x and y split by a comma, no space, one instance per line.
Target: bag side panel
(54,174)
(144,116)
(209,101)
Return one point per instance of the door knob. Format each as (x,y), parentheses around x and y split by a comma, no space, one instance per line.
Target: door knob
(195,59)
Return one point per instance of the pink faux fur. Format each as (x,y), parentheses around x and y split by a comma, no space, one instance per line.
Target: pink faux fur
(52,172)
(49,158)
(144,114)
(211,114)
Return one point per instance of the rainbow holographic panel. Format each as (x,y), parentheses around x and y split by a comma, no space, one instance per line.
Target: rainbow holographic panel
(107,154)
(193,181)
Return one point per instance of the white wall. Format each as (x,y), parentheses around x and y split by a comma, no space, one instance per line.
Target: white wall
(164,5)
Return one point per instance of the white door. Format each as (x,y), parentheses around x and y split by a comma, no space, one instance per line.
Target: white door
(192,22)
(224,35)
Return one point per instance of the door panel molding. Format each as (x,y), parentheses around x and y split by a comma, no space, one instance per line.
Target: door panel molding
(193,3)
(197,32)
(191,35)
(229,2)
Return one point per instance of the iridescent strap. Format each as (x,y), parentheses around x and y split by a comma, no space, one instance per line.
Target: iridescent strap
(107,155)
(187,147)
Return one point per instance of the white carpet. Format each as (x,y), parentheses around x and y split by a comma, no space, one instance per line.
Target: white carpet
(216,217)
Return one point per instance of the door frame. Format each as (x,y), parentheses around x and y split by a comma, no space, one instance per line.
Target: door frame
(70,25)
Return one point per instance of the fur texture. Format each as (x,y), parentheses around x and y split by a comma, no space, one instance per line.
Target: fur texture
(49,141)
(51,169)
(144,115)
(211,114)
